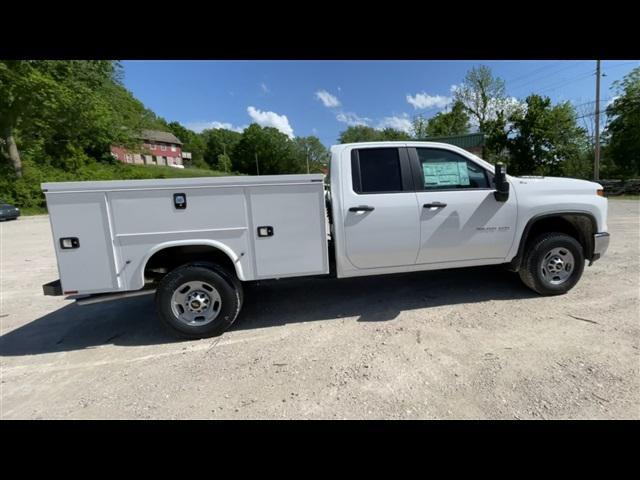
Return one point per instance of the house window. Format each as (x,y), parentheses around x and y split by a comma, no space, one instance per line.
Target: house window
(163,148)
(152,146)
(173,148)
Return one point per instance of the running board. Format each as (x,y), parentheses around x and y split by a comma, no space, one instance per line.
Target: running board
(105,297)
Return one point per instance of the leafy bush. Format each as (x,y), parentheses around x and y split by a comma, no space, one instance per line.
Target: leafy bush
(26,192)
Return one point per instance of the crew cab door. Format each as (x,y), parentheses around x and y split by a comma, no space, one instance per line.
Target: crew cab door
(460,220)
(380,210)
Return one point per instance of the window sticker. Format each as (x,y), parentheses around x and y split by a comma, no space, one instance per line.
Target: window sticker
(442,174)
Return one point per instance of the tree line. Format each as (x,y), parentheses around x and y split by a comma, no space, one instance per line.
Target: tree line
(533,136)
(263,150)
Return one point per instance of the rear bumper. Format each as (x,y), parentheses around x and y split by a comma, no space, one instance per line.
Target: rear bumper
(600,245)
(53,289)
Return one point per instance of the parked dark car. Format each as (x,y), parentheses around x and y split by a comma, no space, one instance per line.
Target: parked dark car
(8,211)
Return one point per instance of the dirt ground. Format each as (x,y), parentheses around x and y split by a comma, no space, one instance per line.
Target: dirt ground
(470,343)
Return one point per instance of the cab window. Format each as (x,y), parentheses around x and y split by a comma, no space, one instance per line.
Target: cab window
(446,170)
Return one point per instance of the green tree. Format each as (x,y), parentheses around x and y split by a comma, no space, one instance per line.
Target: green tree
(545,139)
(496,135)
(419,126)
(220,141)
(623,130)
(391,134)
(453,122)
(67,113)
(224,163)
(363,133)
(24,90)
(274,152)
(359,133)
(482,95)
(311,149)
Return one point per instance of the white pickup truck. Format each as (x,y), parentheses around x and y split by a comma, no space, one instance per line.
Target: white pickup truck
(390,207)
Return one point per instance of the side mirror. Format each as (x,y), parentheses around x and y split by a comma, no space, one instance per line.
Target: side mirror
(502,186)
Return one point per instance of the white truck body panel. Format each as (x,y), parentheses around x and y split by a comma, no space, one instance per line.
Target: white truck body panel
(121,224)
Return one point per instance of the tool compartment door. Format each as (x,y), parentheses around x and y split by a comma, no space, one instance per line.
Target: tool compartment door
(88,267)
(289,230)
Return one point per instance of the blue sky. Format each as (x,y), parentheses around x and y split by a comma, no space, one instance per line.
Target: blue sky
(323,97)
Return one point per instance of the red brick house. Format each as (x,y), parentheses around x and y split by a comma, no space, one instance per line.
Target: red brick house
(156,148)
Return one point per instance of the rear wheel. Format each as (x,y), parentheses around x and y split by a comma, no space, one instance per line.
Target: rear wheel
(198,300)
(553,264)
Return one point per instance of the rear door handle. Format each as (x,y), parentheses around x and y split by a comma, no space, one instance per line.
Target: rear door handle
(362,208)
(434,205)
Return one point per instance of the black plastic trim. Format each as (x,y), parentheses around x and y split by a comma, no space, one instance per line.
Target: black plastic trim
(53,289)
(516,261)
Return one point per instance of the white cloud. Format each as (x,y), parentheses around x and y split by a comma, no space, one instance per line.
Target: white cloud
(200,126)
(425,101)
(352,119)
(264,88)
(271,119)
(328,100)
(402,122)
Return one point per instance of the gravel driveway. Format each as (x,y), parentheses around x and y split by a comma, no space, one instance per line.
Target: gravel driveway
(469,343)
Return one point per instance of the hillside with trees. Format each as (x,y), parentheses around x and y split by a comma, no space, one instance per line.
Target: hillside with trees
(58,120)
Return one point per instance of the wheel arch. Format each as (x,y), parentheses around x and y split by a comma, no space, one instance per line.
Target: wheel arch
(579,224)
(175,253)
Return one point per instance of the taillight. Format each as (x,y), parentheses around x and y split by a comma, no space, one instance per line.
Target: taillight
(600,192)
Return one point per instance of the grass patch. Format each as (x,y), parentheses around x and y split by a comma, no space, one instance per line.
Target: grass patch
(28,211)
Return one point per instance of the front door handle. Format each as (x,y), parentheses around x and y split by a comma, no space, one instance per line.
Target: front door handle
(434,205)
(362,208)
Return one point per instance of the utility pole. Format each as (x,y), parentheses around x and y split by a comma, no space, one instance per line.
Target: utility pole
(257,167)
(596,163)
(307,160)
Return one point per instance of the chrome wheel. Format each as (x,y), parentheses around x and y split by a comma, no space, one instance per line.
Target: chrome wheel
(196,303)
(557,266)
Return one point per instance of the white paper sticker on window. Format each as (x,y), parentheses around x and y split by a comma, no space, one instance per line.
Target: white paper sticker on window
(441,174)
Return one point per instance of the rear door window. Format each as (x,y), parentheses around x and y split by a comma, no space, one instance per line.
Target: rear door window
(376,170)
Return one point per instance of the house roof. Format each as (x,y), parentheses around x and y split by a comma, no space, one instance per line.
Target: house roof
(463,141)
(158,136)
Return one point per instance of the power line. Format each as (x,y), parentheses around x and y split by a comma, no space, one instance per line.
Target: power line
(530,74)
(623,64)
(548,75)
(581,76)
(555,86)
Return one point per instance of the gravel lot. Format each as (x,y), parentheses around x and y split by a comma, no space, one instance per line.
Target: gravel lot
(472,343)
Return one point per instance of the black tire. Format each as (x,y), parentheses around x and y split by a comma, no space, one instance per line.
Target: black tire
(531,272)
(227,285)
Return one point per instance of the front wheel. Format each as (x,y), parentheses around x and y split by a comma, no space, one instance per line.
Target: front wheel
(553,264)
(198,301)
